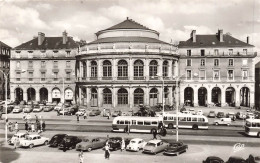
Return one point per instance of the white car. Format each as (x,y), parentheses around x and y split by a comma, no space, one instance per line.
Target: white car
(17,109)
(20,136)
(223,121)
(200,112)
(136,144)
(250,116)
(58,107)
(81,112)
(33,140)
(37,109)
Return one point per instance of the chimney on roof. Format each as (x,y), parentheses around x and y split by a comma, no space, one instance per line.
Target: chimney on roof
(126,18)
(41,37)
(220,35)
(247,39)
(64,37)
(193,35)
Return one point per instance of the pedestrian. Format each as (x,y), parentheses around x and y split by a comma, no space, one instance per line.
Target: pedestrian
(58,113)
(43,126)
(64,146)
(36,118)
(32,127)
(154,134)
(122,145)
(107,152)
(77,118)
(16,127)
(81,157)
(108,115)
(16,142)
(26,126)
(38,127)
(85,115)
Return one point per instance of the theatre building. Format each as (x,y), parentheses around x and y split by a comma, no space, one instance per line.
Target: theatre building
(42,69)
(217,69)
(127,65)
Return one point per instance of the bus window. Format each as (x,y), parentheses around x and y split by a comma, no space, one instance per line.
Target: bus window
(170,118)
(147,123)
(194,119)
(117,122)
(201,119)
(154,122)
(188,118)
(248,124)
(165,118)
(257,124)
(133,122)
(127,122)
(122,122)
(183,119)
(140,122)
(253,124)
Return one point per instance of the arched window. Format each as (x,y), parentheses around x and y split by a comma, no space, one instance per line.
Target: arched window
(107,69)
(94,97)
(107,96)
(138,96)
(93,69)
(122,95)
(153,68)
(138,70)
(153,97)
(122,70)
(165,68)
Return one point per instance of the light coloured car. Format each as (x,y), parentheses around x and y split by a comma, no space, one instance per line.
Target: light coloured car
(223,121)
(155,146)
(34,140)
(58,107)
(17,109)
(250,115)
(37,108)
(28,109)
(136,144)
(241,115)
(20,136)
(199,112)
(90,144)
(81,112)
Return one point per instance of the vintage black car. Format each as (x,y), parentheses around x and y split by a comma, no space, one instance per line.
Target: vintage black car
(175,148)
(235,159)
(69,142)
(56,140)
(214,159)
(115,143)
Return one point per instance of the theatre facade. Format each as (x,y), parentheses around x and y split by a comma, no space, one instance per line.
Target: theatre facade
(127,65)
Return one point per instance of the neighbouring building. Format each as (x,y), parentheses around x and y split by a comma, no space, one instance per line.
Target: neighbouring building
(218,69)
(127,65)
(42,69)
(5,52)
(257,85)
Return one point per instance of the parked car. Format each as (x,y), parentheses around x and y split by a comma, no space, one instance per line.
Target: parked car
(37,108)
(176,148)
(3,109)
(28,109)
(241,115)
(155,146)
(17,109)
(213,159)
(33,140)
(117,113)
(200,112)
(223,121)
(48,108)
(65,111)
(20,136)
(221,115)
(69,142)
(235,159)
(253,159)
(106,112)
(73,109)
(212,114)
(57,139)
(81,112)
(114,143)
(95,112)
(58,107)
(90,144)
(136,144)
(250,115)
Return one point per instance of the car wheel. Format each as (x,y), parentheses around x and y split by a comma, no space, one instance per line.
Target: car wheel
(170,126)
(258,135)
(31,146)
(70,148)
(89,149)
(216,123)
(46,142)
(228,124)
(195,127)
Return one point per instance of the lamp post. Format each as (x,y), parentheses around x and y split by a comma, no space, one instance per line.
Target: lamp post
(159,75)
(5,76)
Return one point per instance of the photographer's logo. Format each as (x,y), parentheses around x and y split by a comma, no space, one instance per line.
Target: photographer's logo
(238,147)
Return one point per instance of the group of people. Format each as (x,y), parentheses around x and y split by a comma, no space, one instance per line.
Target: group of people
(39,125)
(161,129)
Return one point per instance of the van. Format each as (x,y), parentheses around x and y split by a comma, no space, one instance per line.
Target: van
(223,121)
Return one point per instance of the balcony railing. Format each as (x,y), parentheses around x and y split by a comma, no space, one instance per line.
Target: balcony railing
(202,78)
(230,78)
(245,78)
(55,79)
(107,78)
(93,78)
(67,79)
(215,78)
(139,78)
(122,78)
(154,78)
(43,79)
(30,79)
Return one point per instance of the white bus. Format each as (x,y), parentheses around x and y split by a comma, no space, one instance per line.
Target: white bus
(252,127)
(186,121)
(136,124)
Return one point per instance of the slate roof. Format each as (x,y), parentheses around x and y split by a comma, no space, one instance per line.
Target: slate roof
(48,43)
(213,41)
(128,24)
(4,45)
(127,39)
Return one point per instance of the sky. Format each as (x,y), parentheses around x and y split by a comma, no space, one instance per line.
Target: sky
(21,20)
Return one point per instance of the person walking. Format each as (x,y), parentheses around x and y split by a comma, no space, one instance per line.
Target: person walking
(85,115)
(16,142)
(43,126)
(32,127)
(81,157)
(78,118)
(154,134)
(26,126)
(107,152)
(16,127)
(122,145)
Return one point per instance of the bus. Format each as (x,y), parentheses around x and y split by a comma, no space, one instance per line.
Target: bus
(186,121)
(252,127)
(136,124)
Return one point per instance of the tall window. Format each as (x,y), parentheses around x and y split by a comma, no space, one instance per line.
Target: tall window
(216,74)
(188,74)
(138,69)
(55,76)
(189,53)
(67,64)
(202,52)
(216,62)
(68,76)
(165,68)
(230,51)
(84,69)
(122,69)
(230,62)
(245,74)
(245,51)
(67,53)
(30,64)
(18,64)
(107,69)
(153,68)
(230,74)
(93,69)
(138,96)
(188,62)
(107,96)
(30,76)
(216,52)
(202,74)
(202,62)
(43,76)
(18,76)
(55,64)
(43,64)
(122,96)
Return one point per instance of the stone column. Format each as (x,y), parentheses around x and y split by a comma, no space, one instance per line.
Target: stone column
(88,92)
(114,69)
(37,95)
(49,95)
(114,97)
(179,99)
(130,69)
(146,95)
(160,94)
(237,97)
(176,69)
(170,69)
(223,97)
(80,96)
(100,96)
(252,97)
(131,97)
(170,96)
(25,95)
(209,95)
(160,66)
(196,98)
(146,69)
(88,69)
(80,70)
(12,95)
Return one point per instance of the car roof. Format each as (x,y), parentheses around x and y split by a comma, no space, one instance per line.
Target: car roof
(34,135)
(155,141)
(214,157)
(19,134)
(136,139)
